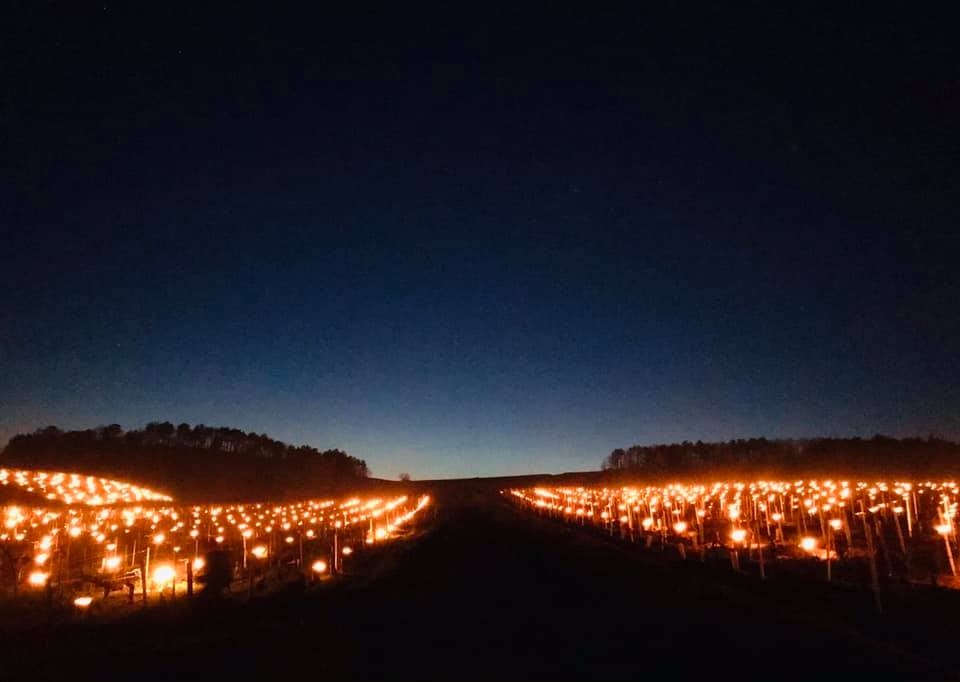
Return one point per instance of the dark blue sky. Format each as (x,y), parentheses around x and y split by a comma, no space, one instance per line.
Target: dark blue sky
(456,244)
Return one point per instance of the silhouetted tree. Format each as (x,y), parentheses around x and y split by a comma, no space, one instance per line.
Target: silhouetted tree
(189,462)
(760,456)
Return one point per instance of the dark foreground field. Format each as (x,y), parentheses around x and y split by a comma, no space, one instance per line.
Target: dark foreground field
(491,592)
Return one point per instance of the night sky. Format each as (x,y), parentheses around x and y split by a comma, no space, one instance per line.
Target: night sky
(464,244)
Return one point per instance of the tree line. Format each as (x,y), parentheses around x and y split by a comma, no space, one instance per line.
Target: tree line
(756,457)
(190,462)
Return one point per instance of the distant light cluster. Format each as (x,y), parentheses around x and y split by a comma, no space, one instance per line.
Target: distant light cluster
(760,499)
(77,489)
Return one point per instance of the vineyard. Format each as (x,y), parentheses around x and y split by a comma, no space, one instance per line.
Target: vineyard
(96,540)
(853,531)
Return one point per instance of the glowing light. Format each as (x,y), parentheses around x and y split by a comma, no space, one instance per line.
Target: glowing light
(259,551)
(319,566)
(738,535)
(347,551)
(808,544)
(163,575)
(83,602)
(38,578)
(198,564)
